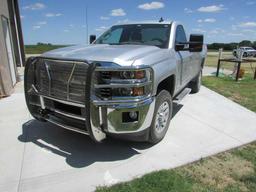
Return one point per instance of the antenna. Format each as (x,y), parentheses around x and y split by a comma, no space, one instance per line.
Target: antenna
(161,20)
(86,24)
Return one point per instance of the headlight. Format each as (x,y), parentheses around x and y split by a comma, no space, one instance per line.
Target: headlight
(118,84)
(132,74)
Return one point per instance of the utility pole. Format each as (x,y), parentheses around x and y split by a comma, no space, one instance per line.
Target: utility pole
(86,24)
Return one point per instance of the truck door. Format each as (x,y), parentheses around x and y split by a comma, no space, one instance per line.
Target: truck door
(183,57)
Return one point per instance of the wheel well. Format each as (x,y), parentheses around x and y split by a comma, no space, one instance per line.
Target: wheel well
(167,84)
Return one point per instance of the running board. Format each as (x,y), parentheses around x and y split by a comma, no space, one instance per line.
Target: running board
(181,95)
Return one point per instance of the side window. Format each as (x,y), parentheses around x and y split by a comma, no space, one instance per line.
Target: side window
(180,34)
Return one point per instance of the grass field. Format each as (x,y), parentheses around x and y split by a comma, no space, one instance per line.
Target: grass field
(39,49)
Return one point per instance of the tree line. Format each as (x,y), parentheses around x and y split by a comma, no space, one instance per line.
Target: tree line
(231,46)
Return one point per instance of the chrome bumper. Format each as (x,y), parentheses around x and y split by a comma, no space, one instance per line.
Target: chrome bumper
(109,116)
(106,117)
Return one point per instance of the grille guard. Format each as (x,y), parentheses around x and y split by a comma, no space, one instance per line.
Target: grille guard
(94,132)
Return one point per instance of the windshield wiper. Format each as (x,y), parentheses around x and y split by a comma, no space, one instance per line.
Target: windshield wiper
(129,43)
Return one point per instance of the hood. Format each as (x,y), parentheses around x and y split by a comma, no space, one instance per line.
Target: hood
(121,54)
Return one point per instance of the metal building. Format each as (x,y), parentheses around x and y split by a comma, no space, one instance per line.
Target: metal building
(11,45)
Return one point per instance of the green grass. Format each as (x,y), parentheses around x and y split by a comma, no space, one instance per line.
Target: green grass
(242,92)
(39,49)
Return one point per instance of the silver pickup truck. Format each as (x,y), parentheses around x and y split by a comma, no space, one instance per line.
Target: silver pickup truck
(123,84)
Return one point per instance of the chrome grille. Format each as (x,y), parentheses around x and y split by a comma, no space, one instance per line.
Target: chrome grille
(65,80)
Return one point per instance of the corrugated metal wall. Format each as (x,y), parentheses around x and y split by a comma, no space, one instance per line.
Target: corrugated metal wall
(8,69)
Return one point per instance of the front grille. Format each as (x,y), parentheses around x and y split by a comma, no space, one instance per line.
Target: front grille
(64,80)
(105,92)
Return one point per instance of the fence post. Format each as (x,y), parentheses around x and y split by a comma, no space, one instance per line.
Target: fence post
(219,58)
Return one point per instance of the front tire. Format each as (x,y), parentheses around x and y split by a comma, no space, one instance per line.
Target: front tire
(195,84)
(162,117)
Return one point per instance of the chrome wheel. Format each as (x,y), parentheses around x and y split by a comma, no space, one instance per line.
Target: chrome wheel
(162,117)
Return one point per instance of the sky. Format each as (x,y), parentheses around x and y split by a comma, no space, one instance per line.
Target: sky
(64,21)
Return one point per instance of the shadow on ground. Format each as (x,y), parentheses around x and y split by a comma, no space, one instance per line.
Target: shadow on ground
(78,149)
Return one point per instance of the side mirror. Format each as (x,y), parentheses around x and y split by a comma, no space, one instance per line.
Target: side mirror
(196,43)
(92,38)
(179,47)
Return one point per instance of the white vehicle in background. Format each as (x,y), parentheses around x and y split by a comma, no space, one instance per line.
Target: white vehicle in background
(247,51)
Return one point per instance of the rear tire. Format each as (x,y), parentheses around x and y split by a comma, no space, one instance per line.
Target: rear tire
(195,84)
(162,117)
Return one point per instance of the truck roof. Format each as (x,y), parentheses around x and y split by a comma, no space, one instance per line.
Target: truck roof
(145,22)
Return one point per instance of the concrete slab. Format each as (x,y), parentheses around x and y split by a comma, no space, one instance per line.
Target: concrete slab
(37,156)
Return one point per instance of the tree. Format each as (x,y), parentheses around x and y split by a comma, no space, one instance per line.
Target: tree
(246,43)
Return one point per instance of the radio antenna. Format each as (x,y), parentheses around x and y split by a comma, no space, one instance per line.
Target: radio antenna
(86,24)
(161,20)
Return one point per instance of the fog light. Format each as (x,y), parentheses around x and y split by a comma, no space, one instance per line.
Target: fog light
(133,115)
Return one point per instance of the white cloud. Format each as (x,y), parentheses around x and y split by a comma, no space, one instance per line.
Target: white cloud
(66,30)
(248,24)
(208,20)
(235,34)
(35,27)
(187,10)
(41,23)
(199,30)
(117,12)
(53,14)
(35,6)
(123,21)
(250,3)
(102,28)
(211,9)
(231,18)
(104,18)
(22,16)
(249,30)
(152,5)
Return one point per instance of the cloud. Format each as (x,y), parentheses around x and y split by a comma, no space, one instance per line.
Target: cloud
(53,14)
(117,12)
(35,6)
(151,6)
(41,23)
(248,24)
(22,16)
(235,34)
(211,9)
(123,21)
(199,30)
(187,10)
(66,30)
(102,28)
(209,20)
(35,27)
(249,30)
(104,18)
(250,3)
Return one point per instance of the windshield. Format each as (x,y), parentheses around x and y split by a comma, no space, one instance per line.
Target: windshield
(137,34)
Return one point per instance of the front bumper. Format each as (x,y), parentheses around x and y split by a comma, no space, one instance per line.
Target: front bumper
(110,117)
